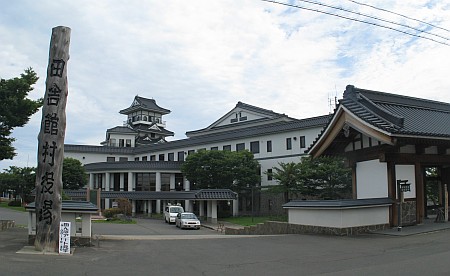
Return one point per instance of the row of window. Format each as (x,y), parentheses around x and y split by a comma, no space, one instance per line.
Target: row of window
(254,148)
(122,143)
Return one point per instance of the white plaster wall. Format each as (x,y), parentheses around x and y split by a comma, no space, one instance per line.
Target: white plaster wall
(407,172)
(87,158)
(371,179)
(339,218)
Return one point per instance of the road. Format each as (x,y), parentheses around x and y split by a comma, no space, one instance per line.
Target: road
(425,254)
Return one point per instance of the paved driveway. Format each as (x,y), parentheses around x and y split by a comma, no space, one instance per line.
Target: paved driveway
(146,227)
(21,218)
(142,227)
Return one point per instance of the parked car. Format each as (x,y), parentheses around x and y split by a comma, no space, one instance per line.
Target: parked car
(187,220)
(171,211)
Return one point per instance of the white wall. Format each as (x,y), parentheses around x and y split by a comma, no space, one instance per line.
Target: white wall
(371,179)
(340,218)
(407,172)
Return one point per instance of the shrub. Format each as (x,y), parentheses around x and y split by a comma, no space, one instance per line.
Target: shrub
(111,213)
(15,203)
(124,206)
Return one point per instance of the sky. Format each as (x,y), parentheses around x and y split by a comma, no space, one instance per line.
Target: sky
(198,58)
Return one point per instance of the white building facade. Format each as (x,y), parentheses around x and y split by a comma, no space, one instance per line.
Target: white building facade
(136,157)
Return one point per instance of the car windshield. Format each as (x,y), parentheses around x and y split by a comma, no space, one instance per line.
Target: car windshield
(188,216)
(176,210)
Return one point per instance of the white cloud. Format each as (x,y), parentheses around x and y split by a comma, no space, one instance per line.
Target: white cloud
(199,58)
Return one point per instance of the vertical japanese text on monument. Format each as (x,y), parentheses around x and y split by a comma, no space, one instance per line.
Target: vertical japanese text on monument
(50,126)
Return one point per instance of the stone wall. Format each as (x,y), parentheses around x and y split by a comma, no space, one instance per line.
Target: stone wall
(277,228)
(409,213)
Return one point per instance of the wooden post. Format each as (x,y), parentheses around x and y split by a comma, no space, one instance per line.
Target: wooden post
(51,144)
(445,203)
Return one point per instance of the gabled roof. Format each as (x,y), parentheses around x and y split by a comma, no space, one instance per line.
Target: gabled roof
(385,117)
(141,103)
(121,129)
(153,128)
(259,116)
(397,114)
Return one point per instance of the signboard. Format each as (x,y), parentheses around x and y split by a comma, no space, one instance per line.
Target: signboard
(64,237)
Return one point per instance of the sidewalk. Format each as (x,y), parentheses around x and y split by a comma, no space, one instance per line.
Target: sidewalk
(428,226)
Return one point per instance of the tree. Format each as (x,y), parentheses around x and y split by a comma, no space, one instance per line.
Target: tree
(74,175)
(324,177)
(21,181)
(287,176)
(15,108)
(221,170)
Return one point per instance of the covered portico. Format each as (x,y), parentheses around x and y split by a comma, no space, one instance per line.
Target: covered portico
(146,202)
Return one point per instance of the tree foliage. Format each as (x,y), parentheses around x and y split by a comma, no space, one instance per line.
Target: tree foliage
(15,108)
(19,181)
(73,175)
(221,170)
(324,177)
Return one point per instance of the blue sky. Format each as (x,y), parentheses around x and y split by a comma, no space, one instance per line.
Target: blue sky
(199,58)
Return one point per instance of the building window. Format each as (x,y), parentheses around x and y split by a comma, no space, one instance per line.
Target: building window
(144,158)
(227,147)
(240,147)
(191,152)
(152,157)
(121,143)
(302,142)
(181,156)
(165,182)
(171,156)
(112,142)
(122,159)
(254,147)
(136,159)
(161,157)
(288,143)
(214,148)
(269,146)
(269,174)
(128,143)
(110,159)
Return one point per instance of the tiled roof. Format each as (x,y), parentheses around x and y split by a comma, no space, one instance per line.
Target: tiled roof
(121,129)
(146,129)
(259,109)
(219,194)
(205,194)
(338,204)
(72,205)
(133,165)
(399,115)
(145,104)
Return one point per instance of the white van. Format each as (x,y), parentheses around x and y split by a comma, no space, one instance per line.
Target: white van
(171,212)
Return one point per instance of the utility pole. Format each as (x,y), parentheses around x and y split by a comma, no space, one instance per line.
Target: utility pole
(51,144)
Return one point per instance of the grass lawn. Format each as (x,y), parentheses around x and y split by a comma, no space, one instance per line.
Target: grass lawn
(4,204)
(247,221)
